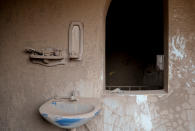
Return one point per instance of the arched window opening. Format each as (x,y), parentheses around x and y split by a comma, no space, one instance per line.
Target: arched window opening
(135,45)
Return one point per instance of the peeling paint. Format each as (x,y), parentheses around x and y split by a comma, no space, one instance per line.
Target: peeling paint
(177,46)
(143,117)
(141,99)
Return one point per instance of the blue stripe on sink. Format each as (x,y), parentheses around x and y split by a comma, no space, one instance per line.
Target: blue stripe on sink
(67,122)
(97,112)
(44,115)
(54,103)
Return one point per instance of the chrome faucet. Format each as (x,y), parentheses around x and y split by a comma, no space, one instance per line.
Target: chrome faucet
(75,95)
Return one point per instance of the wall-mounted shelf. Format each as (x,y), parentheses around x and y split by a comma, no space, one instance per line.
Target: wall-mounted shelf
(46,57)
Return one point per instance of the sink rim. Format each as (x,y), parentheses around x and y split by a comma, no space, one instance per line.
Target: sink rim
(90,101)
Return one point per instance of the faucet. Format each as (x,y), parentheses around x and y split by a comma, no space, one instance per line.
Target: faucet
(75,95)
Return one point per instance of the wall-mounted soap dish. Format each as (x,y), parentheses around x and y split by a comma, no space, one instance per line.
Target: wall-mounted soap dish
(46,57)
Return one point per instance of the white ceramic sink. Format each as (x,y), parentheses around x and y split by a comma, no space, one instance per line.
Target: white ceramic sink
(70,114)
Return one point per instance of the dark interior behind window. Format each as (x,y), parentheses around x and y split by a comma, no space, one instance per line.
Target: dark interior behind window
(134,38)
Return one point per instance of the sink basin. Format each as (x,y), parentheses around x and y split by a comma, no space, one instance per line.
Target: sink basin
(70,114)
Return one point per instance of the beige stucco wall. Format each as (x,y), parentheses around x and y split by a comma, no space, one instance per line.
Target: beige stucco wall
(44,23)
(41,24)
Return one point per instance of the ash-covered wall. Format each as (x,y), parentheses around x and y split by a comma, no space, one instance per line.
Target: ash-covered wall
(44,23)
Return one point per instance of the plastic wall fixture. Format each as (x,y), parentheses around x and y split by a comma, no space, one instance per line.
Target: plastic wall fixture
(75,41)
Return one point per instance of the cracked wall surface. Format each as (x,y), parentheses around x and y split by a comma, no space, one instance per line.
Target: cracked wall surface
(44,23)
